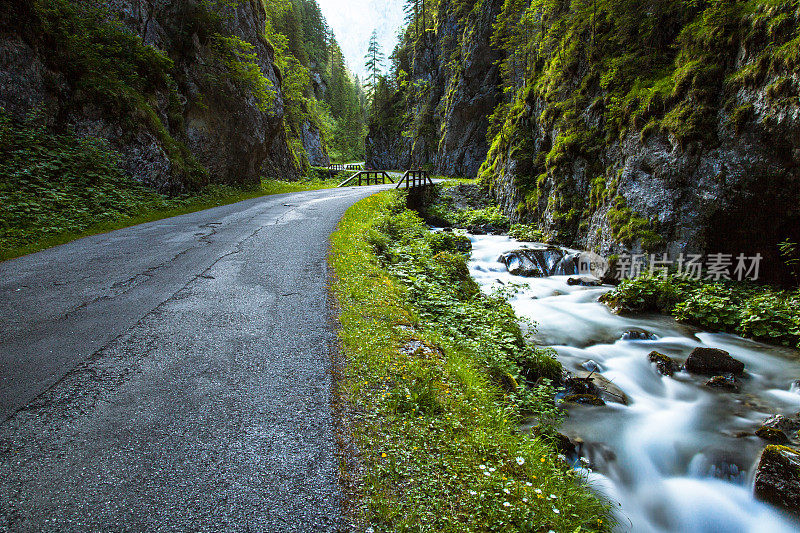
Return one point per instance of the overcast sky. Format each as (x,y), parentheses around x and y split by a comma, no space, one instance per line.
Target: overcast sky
(352,21)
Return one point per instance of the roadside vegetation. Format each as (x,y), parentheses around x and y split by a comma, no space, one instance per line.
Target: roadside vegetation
(758,312)
(437,379)
(57,188)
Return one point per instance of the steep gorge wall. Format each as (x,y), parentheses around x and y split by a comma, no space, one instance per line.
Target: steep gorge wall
(185,92)
(682,137)
(438,117)
(614,125)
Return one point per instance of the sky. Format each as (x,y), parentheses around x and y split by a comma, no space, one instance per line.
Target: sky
(352,21)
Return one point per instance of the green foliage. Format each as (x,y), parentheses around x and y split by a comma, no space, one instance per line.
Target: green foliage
(431,384)
(757,312)
(528,232)
(241,62)
(59,183)
(108,63)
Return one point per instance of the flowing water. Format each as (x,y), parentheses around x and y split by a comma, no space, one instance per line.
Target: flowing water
(671,457)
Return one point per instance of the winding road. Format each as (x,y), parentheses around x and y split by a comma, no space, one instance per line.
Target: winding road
(175,375)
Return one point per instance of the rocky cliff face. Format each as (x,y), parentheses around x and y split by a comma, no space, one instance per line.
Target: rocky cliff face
(707,161)
(452,88)
(614,125)
(203,104)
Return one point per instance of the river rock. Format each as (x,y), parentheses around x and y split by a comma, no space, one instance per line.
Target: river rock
(592,366)
(638,334)
(584,399)
(585,281)
(777,479)
(772,435)
(665,365)
(598,385)
(725,382)
(711,361)
(784,423)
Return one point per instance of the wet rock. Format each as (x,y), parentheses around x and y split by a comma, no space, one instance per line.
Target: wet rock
(565,445)
(725,382)
(584,399)
(592,366)
(665,365)
(585,281)
(772,435)
(638,334)
(783,423)
(795,386)
(593,384)
(777,479)
(711,361)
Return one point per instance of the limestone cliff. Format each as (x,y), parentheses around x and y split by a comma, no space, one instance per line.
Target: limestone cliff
(614,125)
(186,91)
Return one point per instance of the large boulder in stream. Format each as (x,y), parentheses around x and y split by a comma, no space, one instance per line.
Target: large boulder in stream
(585,384)
(777,479)
(711,361)
(543,260)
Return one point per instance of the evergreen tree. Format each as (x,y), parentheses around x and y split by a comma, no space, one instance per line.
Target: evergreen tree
(374,61)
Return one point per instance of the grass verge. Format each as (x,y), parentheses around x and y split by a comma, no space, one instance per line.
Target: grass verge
(436,382)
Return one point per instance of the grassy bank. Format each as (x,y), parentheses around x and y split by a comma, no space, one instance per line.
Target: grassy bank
(437,380)
(58,187)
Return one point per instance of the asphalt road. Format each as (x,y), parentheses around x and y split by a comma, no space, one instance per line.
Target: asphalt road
(174,375)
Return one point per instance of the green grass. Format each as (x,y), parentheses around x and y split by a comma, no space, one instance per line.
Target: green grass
(433,390)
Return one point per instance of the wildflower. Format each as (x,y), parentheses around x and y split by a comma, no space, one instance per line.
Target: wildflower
(472,492)
(525,500)
(506,504)
(542,459)
(482,467)
(537,491)
(562,457)
(487,474)
(528,484)
(556,510)
(507,491)
(553,496)
(520,461)
(492,469)
(383,454)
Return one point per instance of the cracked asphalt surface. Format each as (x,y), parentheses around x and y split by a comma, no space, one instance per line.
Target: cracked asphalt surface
(174,375)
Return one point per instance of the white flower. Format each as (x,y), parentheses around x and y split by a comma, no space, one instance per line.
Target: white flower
(562,457)
(525,500)
(556,510)
(520,461)
(507,491)
(553,496)
(492,469)
(537,491)
(487,474)
(506,504)
(473,492)
(482,467)
(528,484)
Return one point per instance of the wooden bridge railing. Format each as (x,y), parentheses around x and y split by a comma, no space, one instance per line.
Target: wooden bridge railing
(368,177)
(415,178)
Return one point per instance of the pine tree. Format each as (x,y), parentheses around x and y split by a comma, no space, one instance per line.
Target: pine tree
(374,61)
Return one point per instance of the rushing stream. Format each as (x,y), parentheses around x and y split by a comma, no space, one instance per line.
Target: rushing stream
(671,457)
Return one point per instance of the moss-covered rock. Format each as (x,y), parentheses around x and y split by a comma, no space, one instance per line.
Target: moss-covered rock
(777,478)
(772,435)
(665,365)
(712,361)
